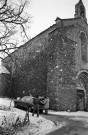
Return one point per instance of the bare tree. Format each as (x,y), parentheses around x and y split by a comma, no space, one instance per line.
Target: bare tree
(14,22)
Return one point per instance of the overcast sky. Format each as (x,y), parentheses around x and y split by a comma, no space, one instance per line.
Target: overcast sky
(44,13)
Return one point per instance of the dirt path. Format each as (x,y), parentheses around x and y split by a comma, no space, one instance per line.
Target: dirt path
(73,127)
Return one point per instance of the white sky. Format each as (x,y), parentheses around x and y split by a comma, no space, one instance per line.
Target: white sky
(44,13)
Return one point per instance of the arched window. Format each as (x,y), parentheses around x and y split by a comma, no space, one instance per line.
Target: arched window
(82,11)
(83,47)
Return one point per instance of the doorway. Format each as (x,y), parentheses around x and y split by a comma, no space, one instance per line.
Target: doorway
(80,100)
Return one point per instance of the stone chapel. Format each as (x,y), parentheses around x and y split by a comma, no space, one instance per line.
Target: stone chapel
(54,63)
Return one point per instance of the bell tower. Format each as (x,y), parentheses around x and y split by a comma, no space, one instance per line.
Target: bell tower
(80,10)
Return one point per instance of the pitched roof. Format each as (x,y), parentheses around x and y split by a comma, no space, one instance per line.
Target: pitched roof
(3,70)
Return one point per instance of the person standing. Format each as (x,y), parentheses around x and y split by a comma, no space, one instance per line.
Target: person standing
(36,105)
(46,104)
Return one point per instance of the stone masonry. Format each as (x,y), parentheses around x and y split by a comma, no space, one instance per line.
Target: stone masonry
(61,87)
(50,63)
